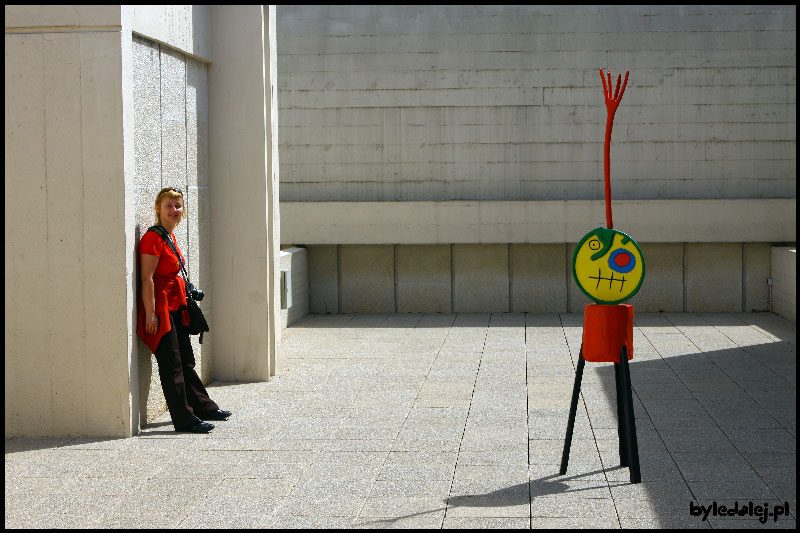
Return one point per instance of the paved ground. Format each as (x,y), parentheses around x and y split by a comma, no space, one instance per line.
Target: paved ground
(450,421)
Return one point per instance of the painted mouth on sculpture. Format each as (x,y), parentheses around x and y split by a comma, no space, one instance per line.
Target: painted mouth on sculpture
(610,280)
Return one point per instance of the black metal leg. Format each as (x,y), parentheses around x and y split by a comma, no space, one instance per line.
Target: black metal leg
(623,443)
(630,422)
(573,408)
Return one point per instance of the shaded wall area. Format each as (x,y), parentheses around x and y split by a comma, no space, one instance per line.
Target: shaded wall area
(171,150)
(467,278)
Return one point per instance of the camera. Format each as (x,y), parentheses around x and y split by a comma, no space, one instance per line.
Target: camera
(195,294)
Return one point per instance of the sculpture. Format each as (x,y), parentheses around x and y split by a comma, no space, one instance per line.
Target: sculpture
(608,255)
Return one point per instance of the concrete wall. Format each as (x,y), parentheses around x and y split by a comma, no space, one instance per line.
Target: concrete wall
(436,103)
(537,278)
(784,281)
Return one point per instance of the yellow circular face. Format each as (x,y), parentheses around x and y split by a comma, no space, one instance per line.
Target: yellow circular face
(608,266)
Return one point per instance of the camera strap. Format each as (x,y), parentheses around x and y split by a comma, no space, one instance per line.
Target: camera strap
(165,235)
(196,318)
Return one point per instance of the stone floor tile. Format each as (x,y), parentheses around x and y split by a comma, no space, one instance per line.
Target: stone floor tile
(574,523)
(570,488)
(573,507)
(667,522)
(256,487)
(719,489)
(451,522)
(483,506)
(401,507)
(311,522)
(422,520)
(320,505)
(650,489)
(416,487)
(651,508)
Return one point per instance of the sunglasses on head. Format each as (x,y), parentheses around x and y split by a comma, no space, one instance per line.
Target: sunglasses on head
(177,190)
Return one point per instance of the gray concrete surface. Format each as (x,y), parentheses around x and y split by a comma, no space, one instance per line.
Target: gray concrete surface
(412,103)
(449,420)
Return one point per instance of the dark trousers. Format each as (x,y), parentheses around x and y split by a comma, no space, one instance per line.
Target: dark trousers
(185,394)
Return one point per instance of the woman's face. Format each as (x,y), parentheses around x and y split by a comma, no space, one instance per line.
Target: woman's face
(171,211)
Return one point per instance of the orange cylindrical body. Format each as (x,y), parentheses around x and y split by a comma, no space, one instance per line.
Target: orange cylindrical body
(606,328)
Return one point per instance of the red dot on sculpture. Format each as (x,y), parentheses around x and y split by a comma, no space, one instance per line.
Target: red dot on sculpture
(622,260)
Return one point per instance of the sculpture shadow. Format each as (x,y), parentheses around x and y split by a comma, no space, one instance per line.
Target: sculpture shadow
(512,496)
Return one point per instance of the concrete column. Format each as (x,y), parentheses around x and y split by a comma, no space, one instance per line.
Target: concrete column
(270,39)
(243,193)
(68,239)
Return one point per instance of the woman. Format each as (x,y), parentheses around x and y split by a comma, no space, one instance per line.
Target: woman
(162,324)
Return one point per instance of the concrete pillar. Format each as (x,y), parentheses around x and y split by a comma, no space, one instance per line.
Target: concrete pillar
(69,242)
(243,192)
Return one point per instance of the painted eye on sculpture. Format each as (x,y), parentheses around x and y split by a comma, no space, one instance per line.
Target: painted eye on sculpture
(621,260)
(594,244)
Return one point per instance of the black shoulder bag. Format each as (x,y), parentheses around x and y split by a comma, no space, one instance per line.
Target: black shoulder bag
(197,322)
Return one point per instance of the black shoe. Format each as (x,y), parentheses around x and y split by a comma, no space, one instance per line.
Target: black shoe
(200,427)
(219,414)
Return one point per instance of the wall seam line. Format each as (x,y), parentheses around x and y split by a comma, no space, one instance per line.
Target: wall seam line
(338,278)
(396,305)
(683,275)
(510,280)
(452,279)
(744,281)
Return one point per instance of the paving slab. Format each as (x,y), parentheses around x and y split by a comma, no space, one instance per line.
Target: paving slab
(449,421)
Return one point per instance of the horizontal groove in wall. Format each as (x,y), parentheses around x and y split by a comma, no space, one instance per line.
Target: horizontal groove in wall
(62,29)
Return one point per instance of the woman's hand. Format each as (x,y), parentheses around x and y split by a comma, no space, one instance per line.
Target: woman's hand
(149,264)
(151,323)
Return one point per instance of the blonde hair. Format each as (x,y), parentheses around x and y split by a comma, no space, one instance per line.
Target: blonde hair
(168,192)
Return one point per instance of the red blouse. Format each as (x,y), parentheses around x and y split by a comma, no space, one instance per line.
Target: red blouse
(169,288)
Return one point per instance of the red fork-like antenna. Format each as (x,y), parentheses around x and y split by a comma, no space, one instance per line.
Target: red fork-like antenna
(612,102)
